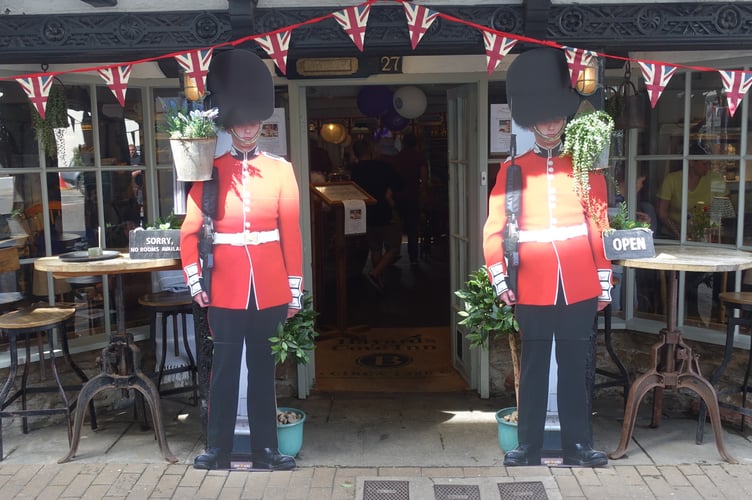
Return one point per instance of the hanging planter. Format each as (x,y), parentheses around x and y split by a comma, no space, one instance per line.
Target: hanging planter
(193,140)
(56,118)
(193,158)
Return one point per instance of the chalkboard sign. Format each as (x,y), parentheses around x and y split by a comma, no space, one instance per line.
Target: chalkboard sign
(154,243)
(628,244)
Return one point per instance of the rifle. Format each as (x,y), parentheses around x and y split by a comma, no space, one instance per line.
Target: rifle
(206,236)
(511,229)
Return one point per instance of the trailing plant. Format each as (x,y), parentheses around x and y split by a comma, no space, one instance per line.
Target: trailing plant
(295,337)
(586,137)
(56,117)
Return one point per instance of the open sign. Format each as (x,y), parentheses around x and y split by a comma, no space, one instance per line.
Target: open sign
(628,244)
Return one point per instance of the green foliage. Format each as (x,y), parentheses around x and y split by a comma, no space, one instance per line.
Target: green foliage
(172,221)
(484,314)
(56,116)
(622,221)
(181,123)
(295,338)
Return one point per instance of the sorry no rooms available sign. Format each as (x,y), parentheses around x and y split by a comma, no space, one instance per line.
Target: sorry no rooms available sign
(628,244)
(154,243)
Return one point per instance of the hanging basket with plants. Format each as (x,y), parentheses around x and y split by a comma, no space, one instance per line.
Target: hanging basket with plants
(193,140)
(50,129)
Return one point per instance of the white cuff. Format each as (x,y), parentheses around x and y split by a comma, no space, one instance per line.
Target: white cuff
(296,283)
(604,275)
(194,279)
(497,279)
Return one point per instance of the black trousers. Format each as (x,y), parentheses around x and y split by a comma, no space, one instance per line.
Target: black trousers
(571,326)
(230,328)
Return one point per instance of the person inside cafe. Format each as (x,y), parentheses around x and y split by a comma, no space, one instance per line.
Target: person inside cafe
(563,277)
(256,282)
(703,184)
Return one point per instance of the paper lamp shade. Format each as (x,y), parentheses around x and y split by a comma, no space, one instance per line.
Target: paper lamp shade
(394,121)
(374,100)
(410,102)
(334,133)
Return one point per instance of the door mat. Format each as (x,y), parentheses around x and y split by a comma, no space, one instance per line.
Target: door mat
(388,360)
(443,488)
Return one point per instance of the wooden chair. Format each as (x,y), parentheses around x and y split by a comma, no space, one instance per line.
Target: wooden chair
(22,323)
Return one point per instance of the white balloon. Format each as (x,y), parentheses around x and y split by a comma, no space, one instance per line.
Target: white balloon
(410,102)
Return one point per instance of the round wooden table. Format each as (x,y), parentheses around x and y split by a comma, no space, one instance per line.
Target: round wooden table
(121,367)
(674,366)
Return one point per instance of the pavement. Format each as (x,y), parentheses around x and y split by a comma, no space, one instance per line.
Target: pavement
(374,447)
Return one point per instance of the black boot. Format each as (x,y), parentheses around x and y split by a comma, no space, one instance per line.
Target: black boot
(522,455)
(214,458)
(584,456)
(271,459)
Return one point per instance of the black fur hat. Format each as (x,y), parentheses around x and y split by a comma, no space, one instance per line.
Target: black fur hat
(538,87)
(241,86)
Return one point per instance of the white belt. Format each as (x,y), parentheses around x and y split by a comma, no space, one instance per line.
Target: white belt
(553,233)
(246,238)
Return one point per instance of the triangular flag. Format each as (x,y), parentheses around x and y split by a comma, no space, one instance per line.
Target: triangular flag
(496,48)
(353,20)
(656,77)
(196,65)
(117,79)
(37,88)
(735,84)
(577,61)
(419,19)
(277,45)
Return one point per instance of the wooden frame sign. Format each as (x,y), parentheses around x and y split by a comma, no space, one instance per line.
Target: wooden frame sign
(335,193)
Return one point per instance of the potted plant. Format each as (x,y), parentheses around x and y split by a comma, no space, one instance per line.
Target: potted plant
(193,139)
(484,316)
(295,341)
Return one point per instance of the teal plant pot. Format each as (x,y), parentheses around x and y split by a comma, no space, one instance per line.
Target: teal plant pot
(290,436)
(507,430)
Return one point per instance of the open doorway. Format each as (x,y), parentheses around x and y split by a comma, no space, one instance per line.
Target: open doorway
(397,333)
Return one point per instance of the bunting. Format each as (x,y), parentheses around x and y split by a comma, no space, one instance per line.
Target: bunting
(196,65)
(496,48)
(353,20)
(419,19)
(735,84)
(38,89)
(277,45)
(116,79)
(577,61)
(656,77)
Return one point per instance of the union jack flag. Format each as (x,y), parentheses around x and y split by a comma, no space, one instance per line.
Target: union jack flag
(496,48)
(37,88)
(277,45)
(116,78)
(577,61)
(656,77)
(196,65)
(735,84)
(419,19)
(353,20)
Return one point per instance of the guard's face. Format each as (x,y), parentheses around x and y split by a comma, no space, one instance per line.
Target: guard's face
(547,134)
(245,135)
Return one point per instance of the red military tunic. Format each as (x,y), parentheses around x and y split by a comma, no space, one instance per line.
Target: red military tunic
(262,197)
(560,240)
